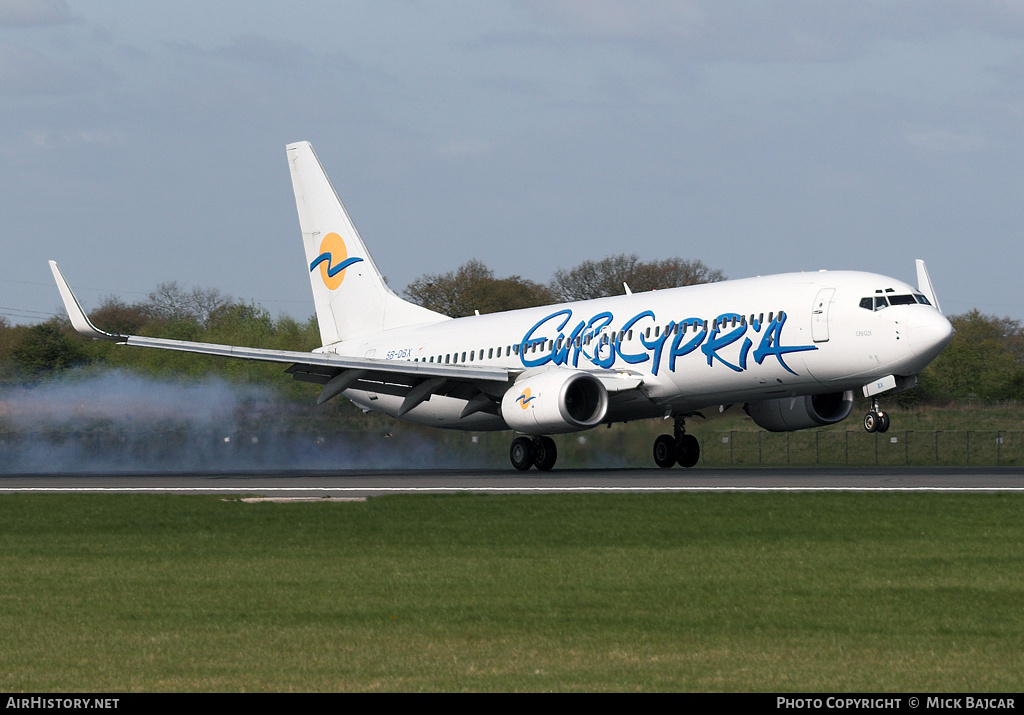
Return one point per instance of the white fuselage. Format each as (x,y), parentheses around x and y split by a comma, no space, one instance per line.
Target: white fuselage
(714,344)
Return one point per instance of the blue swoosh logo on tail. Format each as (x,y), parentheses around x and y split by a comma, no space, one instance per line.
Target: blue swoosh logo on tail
(332,270)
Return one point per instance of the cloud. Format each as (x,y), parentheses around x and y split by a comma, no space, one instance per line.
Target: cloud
(261,50)
(613,19)
(34,13)
(248,49)
(769,31)
(26,72)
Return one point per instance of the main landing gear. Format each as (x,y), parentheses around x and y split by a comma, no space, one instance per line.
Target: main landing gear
(876,420)
(536,452)
(677,447)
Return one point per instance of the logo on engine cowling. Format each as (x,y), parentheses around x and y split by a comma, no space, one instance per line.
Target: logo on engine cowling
(525,398)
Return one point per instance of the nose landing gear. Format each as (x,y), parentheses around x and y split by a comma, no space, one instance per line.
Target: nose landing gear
(876,420)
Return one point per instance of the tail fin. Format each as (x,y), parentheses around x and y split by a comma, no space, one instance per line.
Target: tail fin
(349,292)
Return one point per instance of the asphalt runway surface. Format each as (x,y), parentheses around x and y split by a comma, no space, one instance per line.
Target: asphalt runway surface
(366,483)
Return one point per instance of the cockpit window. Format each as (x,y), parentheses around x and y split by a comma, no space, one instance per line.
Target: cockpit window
(876,303)
(902,300)
(881,301)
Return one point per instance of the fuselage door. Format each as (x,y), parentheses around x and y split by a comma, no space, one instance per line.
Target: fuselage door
(819,315)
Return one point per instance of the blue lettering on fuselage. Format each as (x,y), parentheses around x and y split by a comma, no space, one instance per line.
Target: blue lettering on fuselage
(592,341)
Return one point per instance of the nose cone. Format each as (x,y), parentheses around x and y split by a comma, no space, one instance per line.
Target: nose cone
(929,332)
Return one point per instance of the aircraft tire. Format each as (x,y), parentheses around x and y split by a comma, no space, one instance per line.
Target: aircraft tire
(545,454)
(664,451)
(521,453)
(689,451)
(871,422)
(883,422)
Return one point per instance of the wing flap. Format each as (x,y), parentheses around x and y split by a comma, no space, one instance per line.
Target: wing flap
(319,367)
(313,363)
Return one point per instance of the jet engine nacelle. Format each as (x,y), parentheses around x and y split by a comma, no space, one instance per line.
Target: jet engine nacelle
(555,401)
(792,413)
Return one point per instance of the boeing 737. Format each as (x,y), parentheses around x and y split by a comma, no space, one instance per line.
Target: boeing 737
(791,348)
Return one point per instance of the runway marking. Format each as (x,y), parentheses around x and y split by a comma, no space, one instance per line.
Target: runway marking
(242,490)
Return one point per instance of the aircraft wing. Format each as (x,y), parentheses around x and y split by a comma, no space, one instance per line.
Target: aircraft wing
(414,380)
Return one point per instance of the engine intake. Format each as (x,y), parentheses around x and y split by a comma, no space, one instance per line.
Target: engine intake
(792,413)
(555,401)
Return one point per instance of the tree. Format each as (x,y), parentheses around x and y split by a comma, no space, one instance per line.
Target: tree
(116,316)
(170,302)
(473,287)
(597,279)
(45,348)
(983,360)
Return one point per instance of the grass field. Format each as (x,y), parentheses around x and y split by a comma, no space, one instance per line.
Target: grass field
(696,592)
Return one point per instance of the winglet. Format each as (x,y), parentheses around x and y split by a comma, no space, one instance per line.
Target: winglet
(78,318)
(924,284)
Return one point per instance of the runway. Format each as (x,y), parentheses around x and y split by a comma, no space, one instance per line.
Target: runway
(369,483)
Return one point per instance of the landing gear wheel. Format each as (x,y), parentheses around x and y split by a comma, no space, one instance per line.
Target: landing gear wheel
(871,421)
(521,453)
(688,451)
(883,422)
(665,451)
(544,453)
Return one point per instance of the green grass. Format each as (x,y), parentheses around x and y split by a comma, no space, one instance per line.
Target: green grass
(706,592)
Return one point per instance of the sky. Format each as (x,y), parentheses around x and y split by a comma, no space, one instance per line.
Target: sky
(144,142)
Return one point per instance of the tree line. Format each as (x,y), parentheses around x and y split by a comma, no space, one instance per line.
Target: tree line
(984,361)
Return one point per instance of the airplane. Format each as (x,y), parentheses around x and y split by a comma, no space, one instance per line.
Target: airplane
(791,348)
